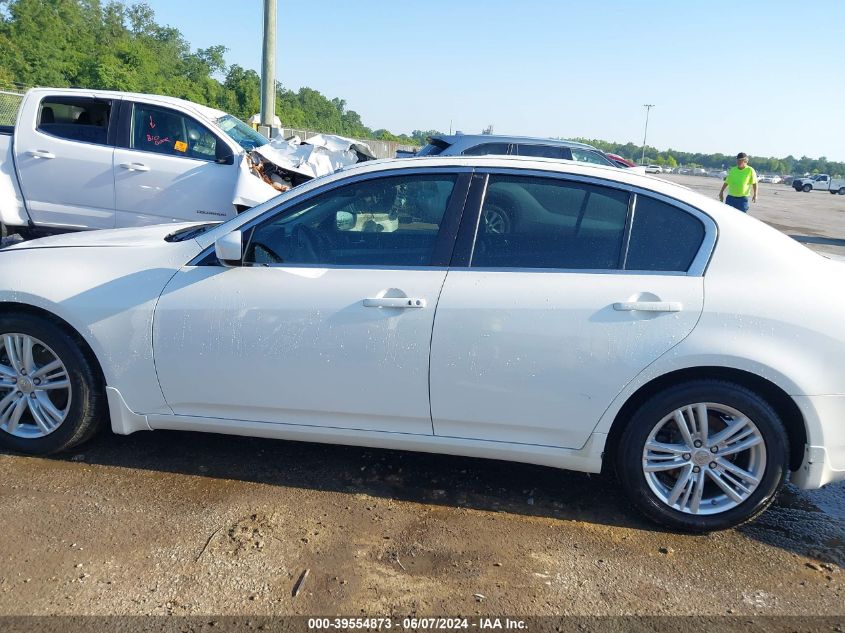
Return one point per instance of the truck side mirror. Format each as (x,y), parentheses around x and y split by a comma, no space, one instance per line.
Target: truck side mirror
(229,248)
(222,154)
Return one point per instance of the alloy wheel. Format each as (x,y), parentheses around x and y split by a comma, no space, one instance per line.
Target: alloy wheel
(35,389)
(704,458)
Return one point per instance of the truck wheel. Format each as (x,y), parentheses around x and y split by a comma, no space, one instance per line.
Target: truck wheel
(807,188)
(842,191)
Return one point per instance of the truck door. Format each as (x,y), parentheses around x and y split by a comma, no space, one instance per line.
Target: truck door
(63,153)
(165,169)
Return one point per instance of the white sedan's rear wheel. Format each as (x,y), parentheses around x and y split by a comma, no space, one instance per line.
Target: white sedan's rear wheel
(50,393)
(703,456)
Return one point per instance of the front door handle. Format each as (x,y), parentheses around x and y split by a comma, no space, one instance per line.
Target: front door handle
(135,166)
(394,302)
(648,306)
(41,153)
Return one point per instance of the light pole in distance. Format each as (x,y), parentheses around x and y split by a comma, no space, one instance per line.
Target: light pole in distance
(648,107)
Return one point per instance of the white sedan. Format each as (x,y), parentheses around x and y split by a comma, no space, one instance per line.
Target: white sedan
(531,310)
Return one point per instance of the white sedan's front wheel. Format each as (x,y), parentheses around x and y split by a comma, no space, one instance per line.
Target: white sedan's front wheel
(50,392)
(703,456)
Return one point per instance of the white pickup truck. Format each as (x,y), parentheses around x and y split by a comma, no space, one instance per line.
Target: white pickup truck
(92,159)
(820,182)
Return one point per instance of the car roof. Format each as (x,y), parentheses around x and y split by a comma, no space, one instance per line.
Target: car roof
(502,138)
(575,168)
(722,214)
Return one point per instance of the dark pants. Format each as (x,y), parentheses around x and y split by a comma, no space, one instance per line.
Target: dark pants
(738,203)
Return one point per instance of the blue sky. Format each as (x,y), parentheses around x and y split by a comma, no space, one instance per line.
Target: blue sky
(762,76)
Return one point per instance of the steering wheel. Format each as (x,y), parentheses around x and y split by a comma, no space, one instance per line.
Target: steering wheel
(310,244)
(272,255)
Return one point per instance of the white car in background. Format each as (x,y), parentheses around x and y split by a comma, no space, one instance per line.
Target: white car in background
(531,310)
(653,169)
(770,179)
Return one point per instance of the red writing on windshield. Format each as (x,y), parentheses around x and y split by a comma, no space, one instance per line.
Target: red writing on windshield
(157,140)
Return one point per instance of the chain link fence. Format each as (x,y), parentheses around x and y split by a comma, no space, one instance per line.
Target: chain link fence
(9,104)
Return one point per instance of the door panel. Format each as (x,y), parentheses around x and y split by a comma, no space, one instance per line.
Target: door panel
(536,357)
(328,320)
(167,171)
(64,161)
(298,346)
(548,323)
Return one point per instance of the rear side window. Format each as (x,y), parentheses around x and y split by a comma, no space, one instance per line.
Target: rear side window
(663,237)
(167,132)
(486,149)
(543,151)
(532,222)
(75,118)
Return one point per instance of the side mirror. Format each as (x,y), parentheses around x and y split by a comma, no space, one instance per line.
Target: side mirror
(229,248)
(222,154)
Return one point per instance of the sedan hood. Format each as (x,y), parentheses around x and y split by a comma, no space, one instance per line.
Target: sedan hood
(141,236)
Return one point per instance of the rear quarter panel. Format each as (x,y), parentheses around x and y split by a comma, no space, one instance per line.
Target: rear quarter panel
(772,307)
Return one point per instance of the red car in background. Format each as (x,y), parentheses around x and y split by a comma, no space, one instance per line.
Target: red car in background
(622,162)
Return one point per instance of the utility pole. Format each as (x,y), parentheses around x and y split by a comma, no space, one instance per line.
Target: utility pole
(268,71)
(648,107)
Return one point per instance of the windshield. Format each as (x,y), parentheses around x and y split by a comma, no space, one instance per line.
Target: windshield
(242,134)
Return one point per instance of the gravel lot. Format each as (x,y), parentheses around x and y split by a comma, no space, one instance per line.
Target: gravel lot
(176,523)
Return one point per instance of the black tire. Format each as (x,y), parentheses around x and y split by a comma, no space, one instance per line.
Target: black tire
(842,191)
(629,454)
(87,412)
(807,188)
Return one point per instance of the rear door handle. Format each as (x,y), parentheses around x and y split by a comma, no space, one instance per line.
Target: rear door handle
(135,166)
(648,306)
(41,153)
(394,302)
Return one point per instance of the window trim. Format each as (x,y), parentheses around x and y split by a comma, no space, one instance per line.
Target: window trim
(444,245)
(111,129)
(124,136)
(472,215)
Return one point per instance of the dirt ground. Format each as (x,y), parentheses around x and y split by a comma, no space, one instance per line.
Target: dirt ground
(188,524)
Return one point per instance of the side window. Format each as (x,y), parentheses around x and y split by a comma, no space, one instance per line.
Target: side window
(589,156)
(167,132)
(391,221)
(75,118)
(542,151)
(663,237)
(487,148)
(544,223)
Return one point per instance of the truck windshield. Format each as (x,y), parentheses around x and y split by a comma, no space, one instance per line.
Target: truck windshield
(241,133)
